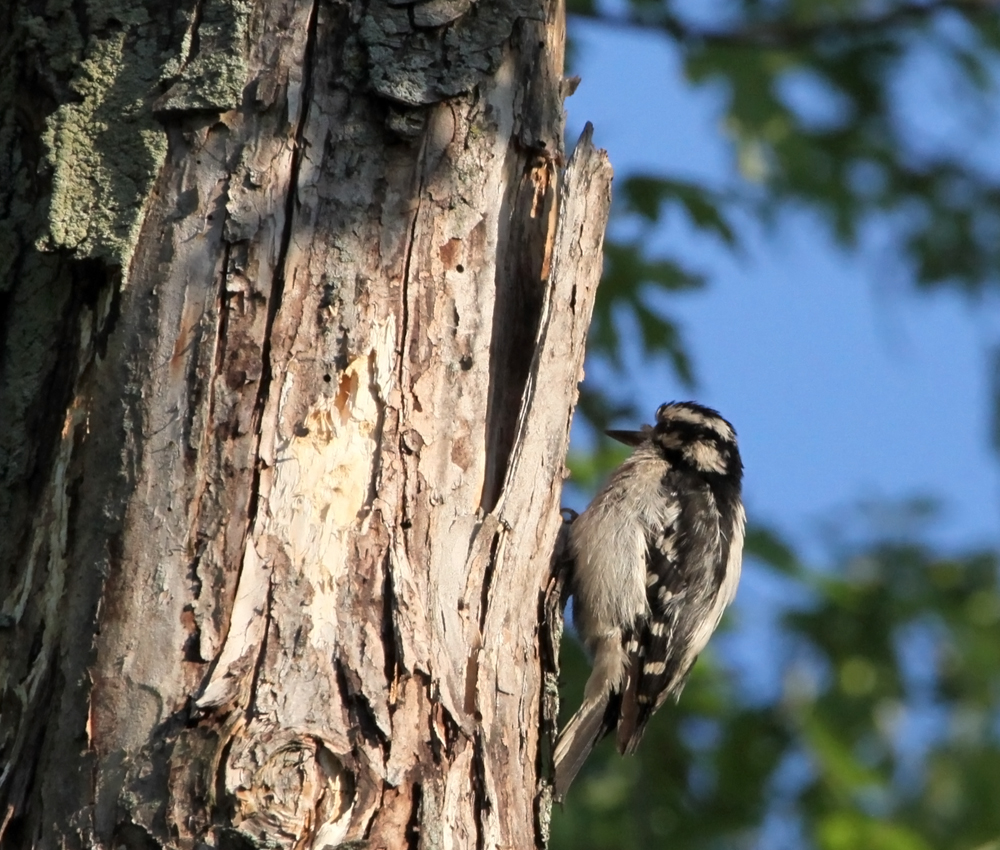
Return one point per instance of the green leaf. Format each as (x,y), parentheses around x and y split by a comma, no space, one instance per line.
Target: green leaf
(626,269)
(766,545)
(839,766)
(646,195)
(852,831)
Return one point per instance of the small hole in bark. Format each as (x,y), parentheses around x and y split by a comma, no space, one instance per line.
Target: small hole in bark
(466,363)
(406,524)
(460,268)
(327,379)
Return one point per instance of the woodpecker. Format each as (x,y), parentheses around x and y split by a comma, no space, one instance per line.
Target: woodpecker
(656,560)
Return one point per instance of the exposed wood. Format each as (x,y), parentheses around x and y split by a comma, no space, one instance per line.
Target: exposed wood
(286,482)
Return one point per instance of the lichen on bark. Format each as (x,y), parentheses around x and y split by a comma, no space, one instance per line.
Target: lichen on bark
(104,143)
(105,152)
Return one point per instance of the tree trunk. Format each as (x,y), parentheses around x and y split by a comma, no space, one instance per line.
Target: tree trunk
(294,297)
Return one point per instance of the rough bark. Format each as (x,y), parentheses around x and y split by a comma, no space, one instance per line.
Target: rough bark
(294,297)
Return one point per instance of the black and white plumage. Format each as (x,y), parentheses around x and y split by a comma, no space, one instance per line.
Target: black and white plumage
(656,560)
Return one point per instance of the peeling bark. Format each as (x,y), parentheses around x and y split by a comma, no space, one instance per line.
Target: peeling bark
(285,422)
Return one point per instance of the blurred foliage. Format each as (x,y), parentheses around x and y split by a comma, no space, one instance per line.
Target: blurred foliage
(884,731)
(895,638)
(815,119)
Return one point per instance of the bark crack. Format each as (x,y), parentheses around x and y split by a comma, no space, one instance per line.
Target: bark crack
(413,825)
(405,391)
(489,569)
(390,637)
(196,15)
(220,339)
(359,709)
(258,666)
(481,798)
(274,303)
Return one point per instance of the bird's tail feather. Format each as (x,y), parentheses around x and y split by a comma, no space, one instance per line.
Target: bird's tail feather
(577,739)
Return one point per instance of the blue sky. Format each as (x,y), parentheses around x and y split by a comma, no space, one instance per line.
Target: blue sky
(843,384)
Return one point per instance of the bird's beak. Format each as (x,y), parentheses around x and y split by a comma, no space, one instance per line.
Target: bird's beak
(630,438)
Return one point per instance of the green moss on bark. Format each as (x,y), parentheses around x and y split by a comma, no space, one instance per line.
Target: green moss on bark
(105,152)
(105,139)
